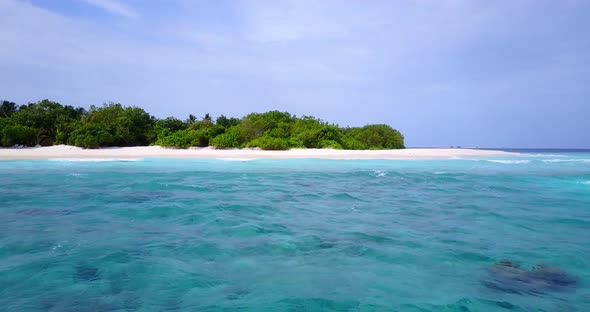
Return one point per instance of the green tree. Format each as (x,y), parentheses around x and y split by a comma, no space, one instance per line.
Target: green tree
(229,139)
(47,117)
(127,126)
(185,139)
(227,122)
(7,109)
(270,143)
(165,127)
(255,125)
(3,123)
(378,136)
(191,119)
(91,135)
(19,134)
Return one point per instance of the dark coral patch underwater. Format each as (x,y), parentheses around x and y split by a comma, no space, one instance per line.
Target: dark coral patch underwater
(507,276)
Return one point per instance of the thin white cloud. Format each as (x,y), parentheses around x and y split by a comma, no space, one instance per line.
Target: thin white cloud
(294,20)
(114,7)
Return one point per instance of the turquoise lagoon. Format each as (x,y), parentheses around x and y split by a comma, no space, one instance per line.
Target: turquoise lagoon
(290,235)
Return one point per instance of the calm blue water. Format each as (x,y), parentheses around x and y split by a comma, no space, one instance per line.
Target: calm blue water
(290,235)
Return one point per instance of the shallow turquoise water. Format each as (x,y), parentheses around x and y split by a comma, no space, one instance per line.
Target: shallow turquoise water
(289,235)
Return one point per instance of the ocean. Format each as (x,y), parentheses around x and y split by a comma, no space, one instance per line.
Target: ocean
(294,235)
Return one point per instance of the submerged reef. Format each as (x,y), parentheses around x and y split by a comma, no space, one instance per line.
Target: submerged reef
(508,276)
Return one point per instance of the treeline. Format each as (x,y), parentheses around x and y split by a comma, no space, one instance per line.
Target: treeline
(50,123)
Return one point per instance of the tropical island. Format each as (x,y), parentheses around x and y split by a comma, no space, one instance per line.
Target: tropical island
(48,129)
(48,123)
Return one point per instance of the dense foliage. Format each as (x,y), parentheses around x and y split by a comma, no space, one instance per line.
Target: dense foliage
(48,123)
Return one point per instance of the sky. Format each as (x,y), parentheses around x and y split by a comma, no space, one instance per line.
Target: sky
(506,73)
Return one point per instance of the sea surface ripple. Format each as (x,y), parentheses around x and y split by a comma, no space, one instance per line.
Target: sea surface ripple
(289,235)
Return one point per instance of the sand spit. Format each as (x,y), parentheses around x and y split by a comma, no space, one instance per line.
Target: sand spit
(64,151)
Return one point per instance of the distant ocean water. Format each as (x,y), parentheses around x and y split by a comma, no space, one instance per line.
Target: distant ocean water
(291,235)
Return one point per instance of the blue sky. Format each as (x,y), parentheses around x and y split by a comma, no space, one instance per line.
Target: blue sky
(444,72)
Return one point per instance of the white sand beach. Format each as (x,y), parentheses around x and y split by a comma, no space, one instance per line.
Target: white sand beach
(64,151)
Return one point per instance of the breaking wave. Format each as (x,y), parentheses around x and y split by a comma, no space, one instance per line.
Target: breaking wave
(511,162)
(559,160)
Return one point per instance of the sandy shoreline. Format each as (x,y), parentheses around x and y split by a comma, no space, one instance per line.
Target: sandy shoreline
(63,151)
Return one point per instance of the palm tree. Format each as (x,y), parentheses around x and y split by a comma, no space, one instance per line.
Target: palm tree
(191,119)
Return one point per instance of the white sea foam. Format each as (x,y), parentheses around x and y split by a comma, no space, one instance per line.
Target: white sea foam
(96,159)
(77,175)
(510,162)
(54,248)
(439,172)
(238,159)
(559,160)
(585,182)
(545,155)
(380,173)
